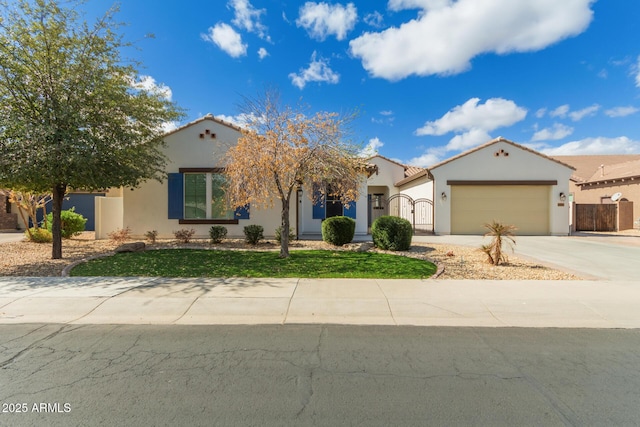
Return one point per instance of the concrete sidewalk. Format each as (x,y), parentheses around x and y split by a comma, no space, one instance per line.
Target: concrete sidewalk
(576,304)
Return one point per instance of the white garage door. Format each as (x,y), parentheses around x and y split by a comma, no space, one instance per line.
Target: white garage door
(525,206)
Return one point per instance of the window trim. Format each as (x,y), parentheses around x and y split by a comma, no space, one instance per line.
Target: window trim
(216,170)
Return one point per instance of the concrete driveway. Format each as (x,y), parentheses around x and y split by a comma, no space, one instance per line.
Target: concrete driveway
(589,256)
(11,236)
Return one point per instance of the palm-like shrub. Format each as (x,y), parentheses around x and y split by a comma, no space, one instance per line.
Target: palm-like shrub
(500,233)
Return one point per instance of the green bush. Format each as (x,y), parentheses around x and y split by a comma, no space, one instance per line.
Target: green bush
(39,235)
(338,230)
(253,234)
(392,233)
(72,223)
(217,233)
(292,234)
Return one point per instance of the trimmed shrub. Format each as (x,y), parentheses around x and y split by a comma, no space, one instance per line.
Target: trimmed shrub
(217,233)
(39,235)
(151,235)
(72,223)
(338,230)
(253,234)
(292,234)
(392,233)
(184,235)
(120,235)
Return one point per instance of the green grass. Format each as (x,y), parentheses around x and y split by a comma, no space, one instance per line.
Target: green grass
(212,263)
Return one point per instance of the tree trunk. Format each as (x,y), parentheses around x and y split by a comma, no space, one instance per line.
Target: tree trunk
(284,229)
(59,191)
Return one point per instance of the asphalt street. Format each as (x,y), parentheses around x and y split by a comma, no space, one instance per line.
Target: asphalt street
(323,375)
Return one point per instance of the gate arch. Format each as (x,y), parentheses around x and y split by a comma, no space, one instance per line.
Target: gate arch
(418,212)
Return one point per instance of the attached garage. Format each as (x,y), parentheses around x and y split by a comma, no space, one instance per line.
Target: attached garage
(525,206)
(501,181)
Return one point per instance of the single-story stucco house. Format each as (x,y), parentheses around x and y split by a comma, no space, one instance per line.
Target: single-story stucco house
(499,180)
(195,152)
(598,178)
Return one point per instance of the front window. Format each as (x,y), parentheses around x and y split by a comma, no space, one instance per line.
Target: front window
(334,205)
(204,196)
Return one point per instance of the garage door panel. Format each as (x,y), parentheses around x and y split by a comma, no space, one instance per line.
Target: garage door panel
(525,206)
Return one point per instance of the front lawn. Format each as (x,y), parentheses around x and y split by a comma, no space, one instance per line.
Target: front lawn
(214,263)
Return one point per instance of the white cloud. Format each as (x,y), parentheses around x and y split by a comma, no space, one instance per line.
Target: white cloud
(468,139)
(387,118)
(322,20)
(318,71)
(541,112)
(374,19)
(621,111)
(428,158)
(262,53)
(564,111)
(557,131)
(241,120)
(372,147)
(148,84)
(247,17)
(397,5)
(637,71)
(169,126)
(227,39)
(446,35)
(599,145)
(561,111)
(493,114)
(581,114)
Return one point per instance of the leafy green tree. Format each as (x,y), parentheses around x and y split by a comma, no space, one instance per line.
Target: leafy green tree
(74,114)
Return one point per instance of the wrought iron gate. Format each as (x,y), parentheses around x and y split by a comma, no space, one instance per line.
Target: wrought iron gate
(418,212)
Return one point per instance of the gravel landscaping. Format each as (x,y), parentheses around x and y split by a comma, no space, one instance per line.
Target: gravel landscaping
(32,259)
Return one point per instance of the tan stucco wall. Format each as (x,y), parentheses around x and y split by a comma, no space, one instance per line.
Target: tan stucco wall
(387,175)
(519,165)
(588,194)
(421,188)
(146,208)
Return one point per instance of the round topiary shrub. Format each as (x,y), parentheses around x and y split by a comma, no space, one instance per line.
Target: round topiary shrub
(253,234)
(72,223)
(217,233)
(392,233)
(338,230)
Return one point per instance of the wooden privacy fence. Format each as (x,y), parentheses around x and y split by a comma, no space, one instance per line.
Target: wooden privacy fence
(596,217)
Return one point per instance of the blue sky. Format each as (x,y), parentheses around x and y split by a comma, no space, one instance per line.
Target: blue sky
(431,78)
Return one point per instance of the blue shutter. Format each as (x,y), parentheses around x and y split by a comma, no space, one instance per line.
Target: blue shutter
(176,195)
(351,211)
(242,212)
(319,210)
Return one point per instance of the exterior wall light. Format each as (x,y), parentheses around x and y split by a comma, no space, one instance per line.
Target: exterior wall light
(443,196)
(563,197)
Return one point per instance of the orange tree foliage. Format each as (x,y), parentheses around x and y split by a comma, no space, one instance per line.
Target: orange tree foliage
(282,149)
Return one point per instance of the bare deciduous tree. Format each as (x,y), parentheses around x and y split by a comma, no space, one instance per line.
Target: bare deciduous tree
(282,149)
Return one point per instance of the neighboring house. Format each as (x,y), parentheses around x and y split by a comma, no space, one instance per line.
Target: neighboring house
(598,177)
(8,219)
(501,181)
